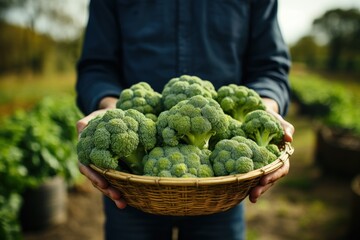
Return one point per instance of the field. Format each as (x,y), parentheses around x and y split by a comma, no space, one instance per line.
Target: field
(306,204)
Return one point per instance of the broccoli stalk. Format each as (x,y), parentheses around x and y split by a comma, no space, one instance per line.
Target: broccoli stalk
(199,140)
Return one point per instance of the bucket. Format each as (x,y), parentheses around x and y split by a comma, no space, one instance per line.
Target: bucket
(44,206)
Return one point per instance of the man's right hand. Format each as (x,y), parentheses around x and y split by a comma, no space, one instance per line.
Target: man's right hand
(102,185)
(96,179)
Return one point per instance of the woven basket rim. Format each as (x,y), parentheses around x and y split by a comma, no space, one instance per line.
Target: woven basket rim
(168,181)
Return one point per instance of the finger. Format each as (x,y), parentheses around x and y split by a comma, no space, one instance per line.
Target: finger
(289,130)
(120,203)
(257,191)
(268,181)
(114,195)
(273,177)
(93,176)
(82,123)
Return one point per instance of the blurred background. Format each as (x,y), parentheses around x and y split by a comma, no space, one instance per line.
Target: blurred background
(40,42)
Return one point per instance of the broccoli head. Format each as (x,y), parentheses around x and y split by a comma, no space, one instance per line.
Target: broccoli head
(233,130)
(262,156)
(193,121)
(237,100)
(141,97)
(184,87)
(231,157)
(262,127)
(117,139)
(182,161)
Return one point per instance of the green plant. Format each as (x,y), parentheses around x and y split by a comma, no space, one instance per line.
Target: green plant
(330,103)
(345,115)
(45,137)
(9,224)
(35,145)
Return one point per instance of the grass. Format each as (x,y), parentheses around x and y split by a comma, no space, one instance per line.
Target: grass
(22,91)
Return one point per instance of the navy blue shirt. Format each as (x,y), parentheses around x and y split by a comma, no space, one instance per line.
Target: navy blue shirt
(223,41)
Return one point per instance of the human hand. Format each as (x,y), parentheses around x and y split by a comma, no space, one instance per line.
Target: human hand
(268,180)
(96,179)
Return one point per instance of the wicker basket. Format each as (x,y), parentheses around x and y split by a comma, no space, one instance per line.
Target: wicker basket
(188,196)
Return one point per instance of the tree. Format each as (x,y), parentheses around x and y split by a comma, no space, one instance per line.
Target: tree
(341,28)
(308,51)
(54,17)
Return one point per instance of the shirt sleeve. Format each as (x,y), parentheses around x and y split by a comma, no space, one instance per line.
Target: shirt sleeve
(98,66)
(267,61)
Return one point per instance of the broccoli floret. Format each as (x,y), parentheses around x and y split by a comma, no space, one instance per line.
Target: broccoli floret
(233,130)
(184,87)
(181,161)
(231,157)
(116,139)
(261,155)
(141,97)
(193,121)
(274,149)
(262,127)
(237,100)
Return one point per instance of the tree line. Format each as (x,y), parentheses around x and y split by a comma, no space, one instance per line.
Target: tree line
(333,44)
(25,50)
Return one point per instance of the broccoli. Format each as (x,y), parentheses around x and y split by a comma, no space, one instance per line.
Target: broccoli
(193,121)
(184,87)
(261,155)
(182,161)
(231,157)
(117,139)
(141,97)
(262,127)
(237,100)
(274,149)
(233,130)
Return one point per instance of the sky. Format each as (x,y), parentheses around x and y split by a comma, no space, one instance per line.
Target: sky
(296,16)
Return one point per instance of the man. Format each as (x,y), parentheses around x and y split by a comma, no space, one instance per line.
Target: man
(130,41)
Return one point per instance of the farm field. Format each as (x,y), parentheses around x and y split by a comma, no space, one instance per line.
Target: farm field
(306,204)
